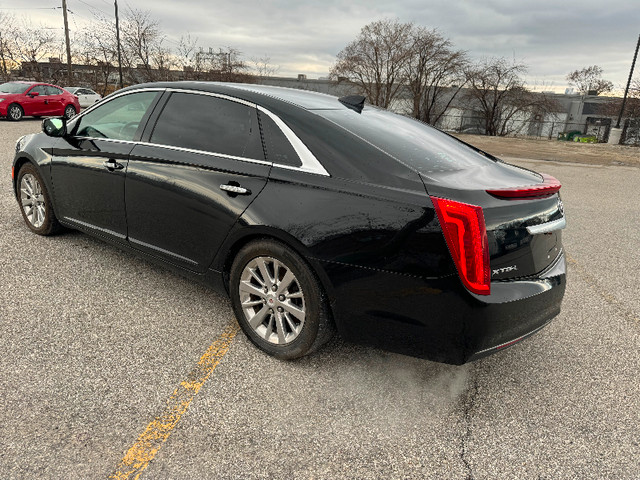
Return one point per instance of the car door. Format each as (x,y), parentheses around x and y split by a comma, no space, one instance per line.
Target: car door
(200,167)
(88,166)
(54,100)
(35,101)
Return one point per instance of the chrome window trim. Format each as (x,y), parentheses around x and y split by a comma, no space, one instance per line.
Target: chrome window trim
(204,152)
(112,140)
(109,98)
(310,164)
(548,227)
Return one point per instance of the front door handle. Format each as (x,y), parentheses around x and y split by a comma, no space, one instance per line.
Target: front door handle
(236,189)
(112,165)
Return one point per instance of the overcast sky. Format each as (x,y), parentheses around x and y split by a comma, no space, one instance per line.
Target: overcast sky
(304,36)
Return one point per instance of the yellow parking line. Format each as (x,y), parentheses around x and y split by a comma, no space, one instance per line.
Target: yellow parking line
(149,442)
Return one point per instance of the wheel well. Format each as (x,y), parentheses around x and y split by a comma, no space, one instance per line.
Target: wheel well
(236,247)
(241,242)
(231,253)
(16,170)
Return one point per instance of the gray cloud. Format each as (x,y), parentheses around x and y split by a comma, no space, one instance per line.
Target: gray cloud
(304,36)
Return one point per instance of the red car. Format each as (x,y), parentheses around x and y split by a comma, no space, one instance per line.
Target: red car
(19,99)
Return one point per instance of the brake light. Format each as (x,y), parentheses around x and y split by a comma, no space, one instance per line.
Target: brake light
(549,186)
(466,235)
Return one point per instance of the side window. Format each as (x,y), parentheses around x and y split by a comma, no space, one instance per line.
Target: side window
(118,119)
(279,150)
(53,90)
(39,89)
(210,124)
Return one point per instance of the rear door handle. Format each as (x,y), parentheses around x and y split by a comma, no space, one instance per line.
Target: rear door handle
(238,190)
(112,165)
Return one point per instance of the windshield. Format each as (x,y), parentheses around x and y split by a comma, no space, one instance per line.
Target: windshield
(13,87)
(411,142)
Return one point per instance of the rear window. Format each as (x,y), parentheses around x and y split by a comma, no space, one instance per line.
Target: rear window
(14,87)
(411,142)
(210,124)
(51,90)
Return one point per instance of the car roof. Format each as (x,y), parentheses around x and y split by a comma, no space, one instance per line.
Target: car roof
(255,93)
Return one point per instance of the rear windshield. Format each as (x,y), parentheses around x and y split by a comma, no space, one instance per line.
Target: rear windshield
(14,87)
(411,142)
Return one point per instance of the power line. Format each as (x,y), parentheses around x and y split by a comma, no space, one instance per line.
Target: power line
(95,8)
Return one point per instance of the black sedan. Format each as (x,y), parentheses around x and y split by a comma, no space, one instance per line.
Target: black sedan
(312,212)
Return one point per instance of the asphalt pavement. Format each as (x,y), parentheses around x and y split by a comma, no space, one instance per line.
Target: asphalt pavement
(95,343)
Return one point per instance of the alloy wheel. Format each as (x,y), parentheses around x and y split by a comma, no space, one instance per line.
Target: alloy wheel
(32,200)
(15,112)
(272,300)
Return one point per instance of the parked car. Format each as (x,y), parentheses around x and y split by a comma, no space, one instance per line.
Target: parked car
(86,96)
(311,212)
(19,99)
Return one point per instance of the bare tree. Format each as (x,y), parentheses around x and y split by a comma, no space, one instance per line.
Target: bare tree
(8,47)
(589,79)
(143,43)
(434,74)
(97,46)
(263,67)
(32,44)
(496,87)
(376,59)
(188,58)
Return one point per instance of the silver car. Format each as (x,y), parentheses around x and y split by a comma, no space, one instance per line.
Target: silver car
(86,96)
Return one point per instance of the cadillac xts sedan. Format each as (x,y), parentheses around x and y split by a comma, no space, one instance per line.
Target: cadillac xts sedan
(314,213)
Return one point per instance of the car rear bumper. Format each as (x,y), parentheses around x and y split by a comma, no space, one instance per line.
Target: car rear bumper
(438,319)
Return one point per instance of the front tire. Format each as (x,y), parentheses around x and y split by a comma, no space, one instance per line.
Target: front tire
(15,112)
(278,301)
(35,202)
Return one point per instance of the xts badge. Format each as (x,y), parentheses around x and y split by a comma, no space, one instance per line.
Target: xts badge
(498,271)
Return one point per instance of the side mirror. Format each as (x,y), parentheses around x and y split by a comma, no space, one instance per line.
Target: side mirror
(33,94)
(54,127)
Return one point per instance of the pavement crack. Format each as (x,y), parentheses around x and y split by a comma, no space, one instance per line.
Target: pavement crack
(468,406)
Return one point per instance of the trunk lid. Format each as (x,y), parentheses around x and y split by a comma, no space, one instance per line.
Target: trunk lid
(521,240)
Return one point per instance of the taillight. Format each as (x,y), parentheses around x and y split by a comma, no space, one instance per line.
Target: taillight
(549,186)
(466,235)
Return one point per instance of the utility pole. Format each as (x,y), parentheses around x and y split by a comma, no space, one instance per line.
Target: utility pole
(66,37)
(626,92)
(115,2)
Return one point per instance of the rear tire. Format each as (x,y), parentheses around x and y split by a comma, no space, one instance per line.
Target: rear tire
(35,202)
(278,301)
(70,112)
(15,112)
